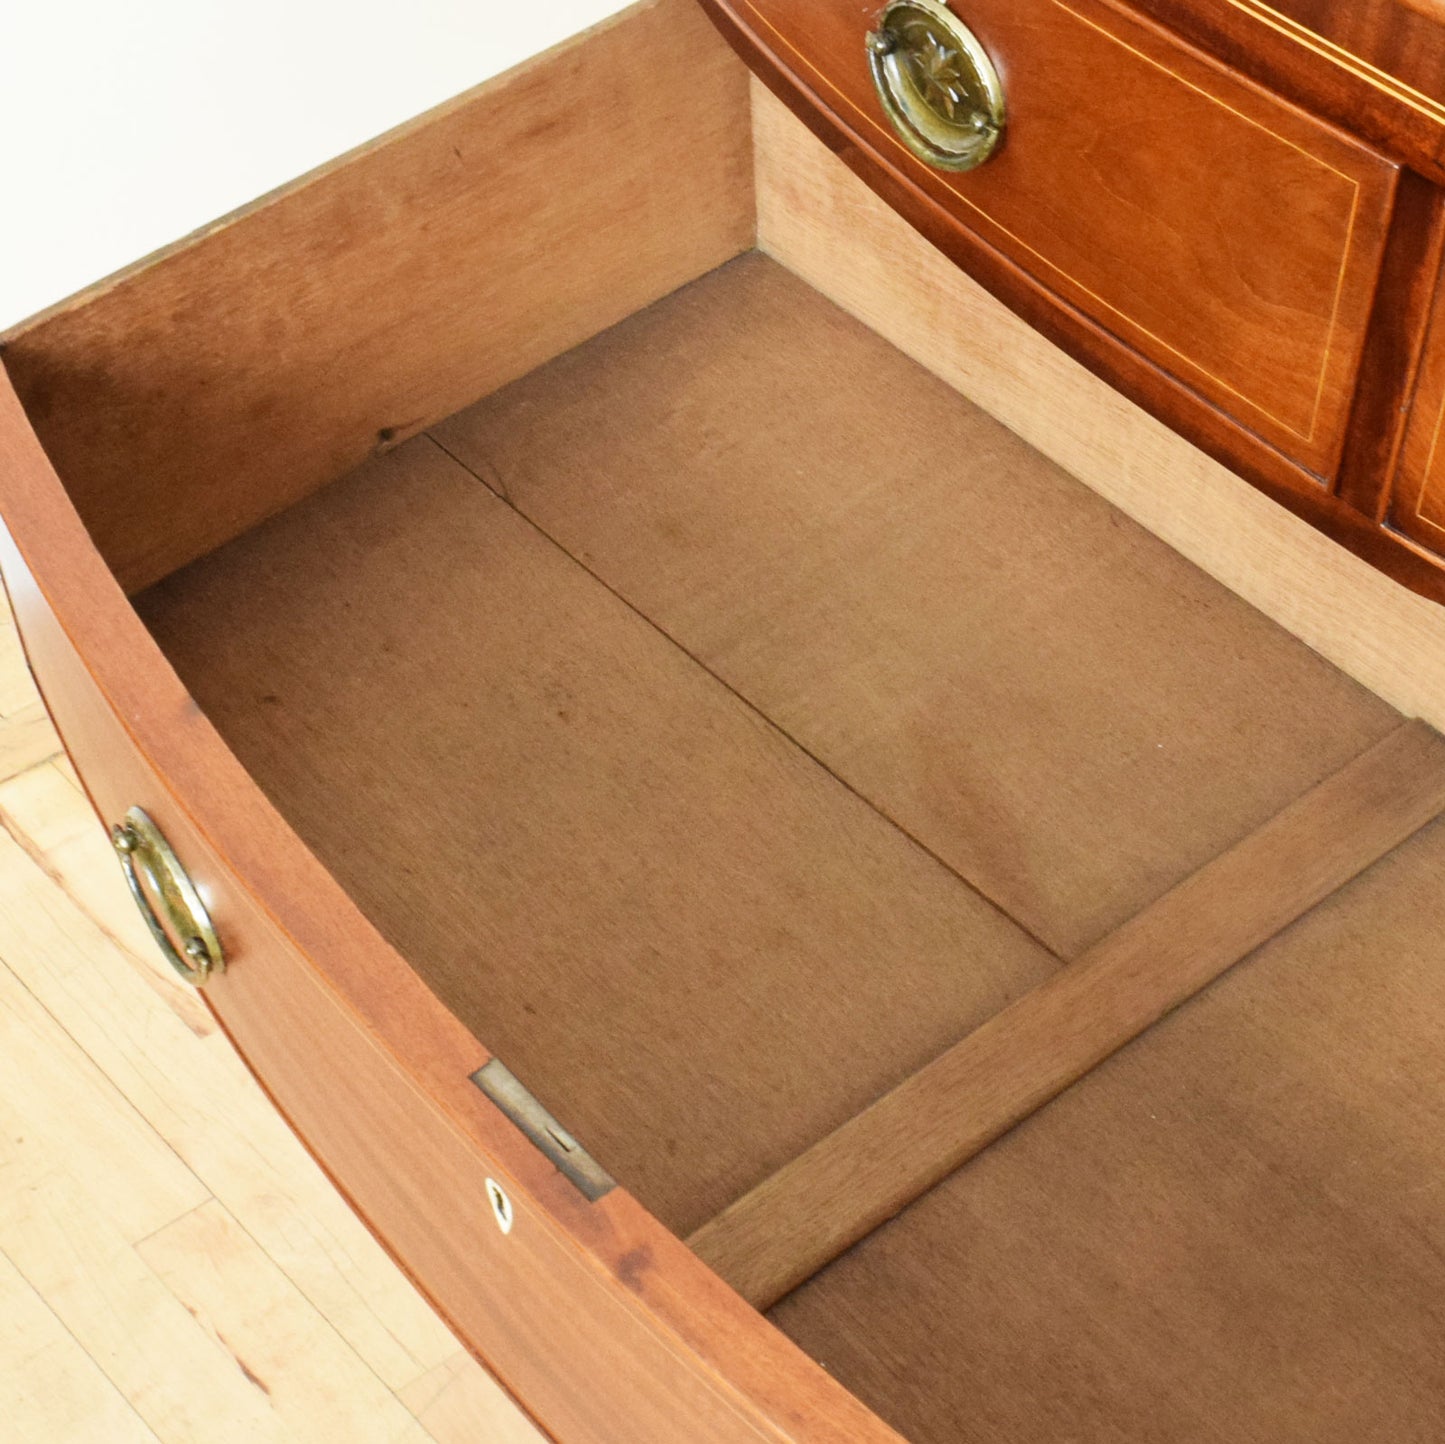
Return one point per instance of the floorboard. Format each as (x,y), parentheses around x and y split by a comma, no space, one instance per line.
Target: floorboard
(158,1222)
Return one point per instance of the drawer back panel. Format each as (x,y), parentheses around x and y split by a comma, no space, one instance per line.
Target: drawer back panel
(187,400)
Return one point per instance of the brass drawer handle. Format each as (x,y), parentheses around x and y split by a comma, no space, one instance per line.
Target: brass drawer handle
(184,934)
(937,84)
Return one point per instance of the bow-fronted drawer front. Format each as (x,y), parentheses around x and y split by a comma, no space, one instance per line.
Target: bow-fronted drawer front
(1209,246)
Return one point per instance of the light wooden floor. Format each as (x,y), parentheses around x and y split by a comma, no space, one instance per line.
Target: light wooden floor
(173,1266)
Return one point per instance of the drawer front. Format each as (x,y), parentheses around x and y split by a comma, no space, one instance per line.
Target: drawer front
(1417,500)
(1228,238)
(601,1322)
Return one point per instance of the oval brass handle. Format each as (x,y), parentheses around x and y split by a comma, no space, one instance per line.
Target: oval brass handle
(184,933)
(937,84)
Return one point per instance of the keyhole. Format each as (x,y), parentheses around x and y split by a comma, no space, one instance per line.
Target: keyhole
(501,1205)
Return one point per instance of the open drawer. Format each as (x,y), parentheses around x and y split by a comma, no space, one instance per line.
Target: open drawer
(702,818)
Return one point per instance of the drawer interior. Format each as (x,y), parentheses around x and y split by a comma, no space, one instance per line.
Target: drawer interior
(1231,1230)
(731,722)
(693,942)
(726,718)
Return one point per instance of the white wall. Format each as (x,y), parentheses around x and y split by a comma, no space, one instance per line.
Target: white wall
(125,124)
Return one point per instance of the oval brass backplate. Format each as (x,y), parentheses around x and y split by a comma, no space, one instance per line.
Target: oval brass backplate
(937,84)
(183,931)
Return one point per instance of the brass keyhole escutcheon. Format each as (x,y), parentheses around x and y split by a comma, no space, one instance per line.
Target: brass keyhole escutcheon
(937,84)
(167,899)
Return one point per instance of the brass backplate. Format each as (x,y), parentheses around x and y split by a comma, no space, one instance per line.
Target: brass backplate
(167,899)
(937,84)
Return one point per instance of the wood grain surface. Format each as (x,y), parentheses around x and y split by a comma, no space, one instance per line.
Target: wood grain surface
(716,941)
(648,521)
(1232,1230)
(1394,348)
(1374,66)
(125,1113)
(699,949)
(822,1203)
(1057,706)
(1143,195)
(1416,501)
(1404,38)
(374,1074)
(826,226)
(190,398)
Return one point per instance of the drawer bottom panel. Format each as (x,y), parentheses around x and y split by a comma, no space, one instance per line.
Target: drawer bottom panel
(725,720)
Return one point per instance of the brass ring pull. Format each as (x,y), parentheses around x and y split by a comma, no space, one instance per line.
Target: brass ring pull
(184,933)
(937,84)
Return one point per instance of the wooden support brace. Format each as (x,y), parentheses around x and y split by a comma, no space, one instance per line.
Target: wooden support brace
(805,1215)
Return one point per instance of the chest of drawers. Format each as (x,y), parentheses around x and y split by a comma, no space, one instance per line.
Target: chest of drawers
(714,682)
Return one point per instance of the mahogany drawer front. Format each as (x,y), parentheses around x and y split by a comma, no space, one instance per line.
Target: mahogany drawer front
(370,1070)
(1416,506)
(1223,235)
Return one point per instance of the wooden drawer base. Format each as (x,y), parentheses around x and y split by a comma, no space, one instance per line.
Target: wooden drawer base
(680,715)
